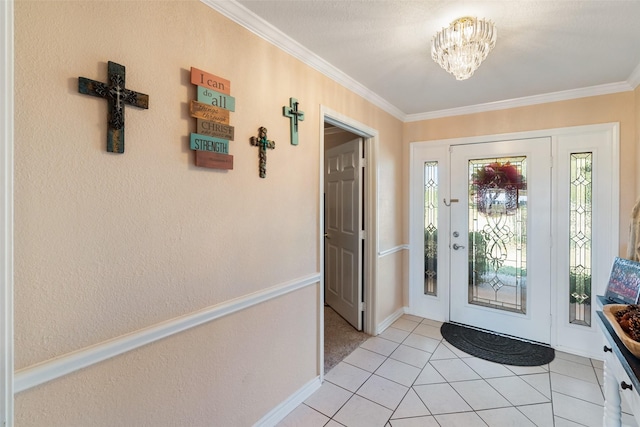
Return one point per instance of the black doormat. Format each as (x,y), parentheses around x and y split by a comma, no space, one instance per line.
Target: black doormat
(496,348)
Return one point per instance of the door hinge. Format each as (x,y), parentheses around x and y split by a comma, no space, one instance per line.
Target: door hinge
(363,163)
(363,306)
(363,234)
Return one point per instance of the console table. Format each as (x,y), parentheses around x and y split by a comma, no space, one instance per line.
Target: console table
(621,373)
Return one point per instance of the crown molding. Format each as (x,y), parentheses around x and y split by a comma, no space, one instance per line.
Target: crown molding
(634,78)
(254,23)
(565,95)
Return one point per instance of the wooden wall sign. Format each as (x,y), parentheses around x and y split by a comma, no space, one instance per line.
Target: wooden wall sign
(216,99)
(209,143)
(208,159)
(117,96)
(211,109)
(209,112)
(202,78)
(218,130)
(295,115)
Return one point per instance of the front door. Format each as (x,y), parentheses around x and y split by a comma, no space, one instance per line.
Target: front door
(500,241)
(343,234)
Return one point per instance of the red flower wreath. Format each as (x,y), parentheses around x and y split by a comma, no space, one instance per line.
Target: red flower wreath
(494,179)
(499,175)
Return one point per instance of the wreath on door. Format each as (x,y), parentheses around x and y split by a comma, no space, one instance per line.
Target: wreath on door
(496,188)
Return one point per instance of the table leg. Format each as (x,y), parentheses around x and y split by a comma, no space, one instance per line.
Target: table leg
(612,410)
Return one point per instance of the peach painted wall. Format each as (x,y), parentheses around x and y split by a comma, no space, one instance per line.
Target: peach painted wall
(108,244)
(620,107)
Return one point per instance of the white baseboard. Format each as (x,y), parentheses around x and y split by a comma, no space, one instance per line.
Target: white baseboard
(32,376)
(278,413)
(389,320)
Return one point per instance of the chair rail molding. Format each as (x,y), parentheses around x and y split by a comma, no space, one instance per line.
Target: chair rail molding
(403,247)
(74,361)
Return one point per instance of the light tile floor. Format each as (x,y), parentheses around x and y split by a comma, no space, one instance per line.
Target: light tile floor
(408,376)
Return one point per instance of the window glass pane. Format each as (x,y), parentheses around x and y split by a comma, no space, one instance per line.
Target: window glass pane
(498,233)
(580,209)
(431,228)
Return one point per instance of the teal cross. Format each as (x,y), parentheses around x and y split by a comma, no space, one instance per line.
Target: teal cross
(262,142)
(294,114)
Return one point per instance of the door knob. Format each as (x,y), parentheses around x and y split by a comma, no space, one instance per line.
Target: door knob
(326,236)
(457,246)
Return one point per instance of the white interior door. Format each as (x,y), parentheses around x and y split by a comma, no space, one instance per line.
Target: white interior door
(500,238)
(343,234)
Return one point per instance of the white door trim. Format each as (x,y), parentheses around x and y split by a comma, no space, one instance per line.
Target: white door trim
(433,307)
(609,249)
(6,214)
(566,336)
(370,177)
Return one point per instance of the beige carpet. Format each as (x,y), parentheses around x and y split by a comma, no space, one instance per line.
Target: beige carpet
(340,338)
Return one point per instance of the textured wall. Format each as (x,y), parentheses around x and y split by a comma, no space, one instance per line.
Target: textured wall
(107,244)
(187,380)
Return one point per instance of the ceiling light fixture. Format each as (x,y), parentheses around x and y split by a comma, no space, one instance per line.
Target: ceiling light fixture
(461,48)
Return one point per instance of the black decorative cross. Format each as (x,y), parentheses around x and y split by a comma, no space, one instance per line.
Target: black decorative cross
(263,143)
(294,114)
(117,96)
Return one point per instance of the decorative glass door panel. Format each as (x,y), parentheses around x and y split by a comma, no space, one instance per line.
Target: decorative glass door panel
(580,237)
(429,176)
(500,237)
(431,228)
(497,233)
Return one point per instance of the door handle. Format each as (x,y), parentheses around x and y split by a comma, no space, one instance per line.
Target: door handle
(457,246)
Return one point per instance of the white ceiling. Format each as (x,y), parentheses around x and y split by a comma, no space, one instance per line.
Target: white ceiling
(546,50)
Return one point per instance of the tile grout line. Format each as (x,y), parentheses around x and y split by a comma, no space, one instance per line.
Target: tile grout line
(457,356)
(369,377)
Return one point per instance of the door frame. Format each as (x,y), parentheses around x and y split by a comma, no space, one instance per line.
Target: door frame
(370,204)
(610,248)
(6,213)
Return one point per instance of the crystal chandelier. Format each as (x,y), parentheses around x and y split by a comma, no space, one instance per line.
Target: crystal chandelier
(461,48)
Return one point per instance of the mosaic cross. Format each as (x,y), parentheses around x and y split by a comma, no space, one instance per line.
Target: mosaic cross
(262,142)
(294,115)
(117,96)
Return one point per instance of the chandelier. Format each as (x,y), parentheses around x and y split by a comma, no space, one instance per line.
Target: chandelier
(461,48)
